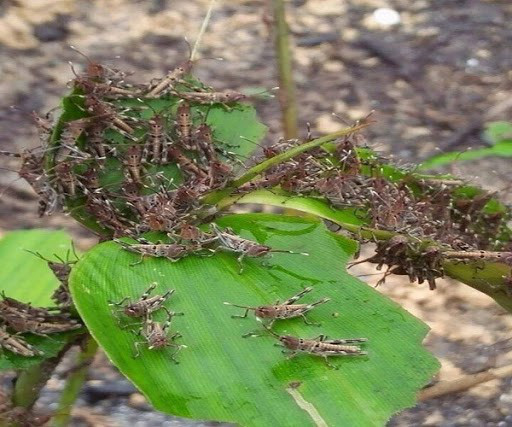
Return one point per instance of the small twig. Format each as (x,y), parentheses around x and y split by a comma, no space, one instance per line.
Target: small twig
(285,69)
(204,25)
(464,383)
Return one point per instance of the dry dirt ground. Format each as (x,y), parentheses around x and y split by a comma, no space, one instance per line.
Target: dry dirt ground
(434,79)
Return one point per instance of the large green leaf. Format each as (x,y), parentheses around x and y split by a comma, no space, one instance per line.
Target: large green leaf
(28,278)
(248,381)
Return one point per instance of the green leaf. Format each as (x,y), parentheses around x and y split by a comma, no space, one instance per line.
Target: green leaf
(496,132)
(310,205)
(236,128)
(350,219)
(27,278)
(225,377)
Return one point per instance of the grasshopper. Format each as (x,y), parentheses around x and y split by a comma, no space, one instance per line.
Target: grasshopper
(156,144)
(50,324)
(144,305)
(184,127)
(320,346)
(155,335)
(284,310)
(225,97)
(12,307)
(16,344)
(172,251)
(228,241)
(22,317)
(505,257)
(132,161)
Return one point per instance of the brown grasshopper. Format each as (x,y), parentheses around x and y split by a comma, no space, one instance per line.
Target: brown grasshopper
(184,163)
(132,160)
(13,307)
(35,320)
(44,127)
(228,241)
(17,344)
(491,256)
(156,144)
(225,97)
(23,317)
(175,76)
(184,126)
(61,270)
(31,170)
(219,174)
(96,141)
(97,107)
(155,336)
(144,305)
(66,178)
(106,214)
(172,251)
(320,346)
(284,310)
(37,326)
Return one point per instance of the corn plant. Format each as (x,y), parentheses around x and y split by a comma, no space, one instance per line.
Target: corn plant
(156,170)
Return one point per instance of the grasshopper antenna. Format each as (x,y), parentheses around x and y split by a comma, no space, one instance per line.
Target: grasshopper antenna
(289,252)
(271,331)
(240,306)
(37,254)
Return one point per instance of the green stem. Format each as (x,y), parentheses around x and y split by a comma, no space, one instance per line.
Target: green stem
(74,383)
(30,381)
(287,97)
(216,196)
(489,278)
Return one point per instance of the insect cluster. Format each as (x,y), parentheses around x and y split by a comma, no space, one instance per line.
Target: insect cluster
(155,334)
(18,318)
(425,221)
(319,346)
(126,159)
(131,158)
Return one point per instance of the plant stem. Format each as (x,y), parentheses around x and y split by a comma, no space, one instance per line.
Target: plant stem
(30,381)
(216,196)
(287,97)
(74,383)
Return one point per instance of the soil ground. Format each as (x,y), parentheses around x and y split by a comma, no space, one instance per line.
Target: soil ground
(434,80)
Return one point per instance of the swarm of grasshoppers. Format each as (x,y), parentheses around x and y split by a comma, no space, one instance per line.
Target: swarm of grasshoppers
(17,317)
(138,158)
